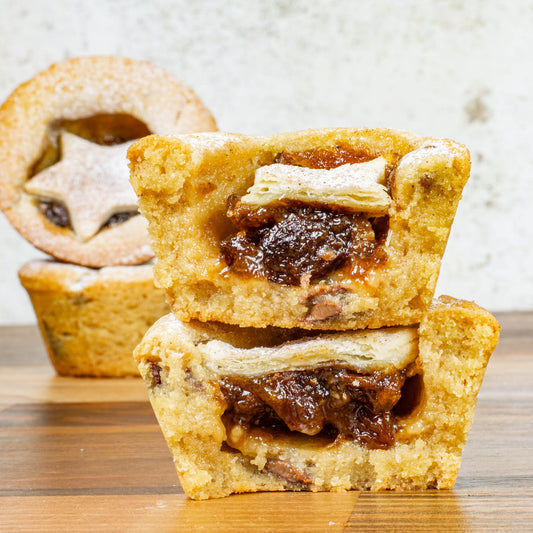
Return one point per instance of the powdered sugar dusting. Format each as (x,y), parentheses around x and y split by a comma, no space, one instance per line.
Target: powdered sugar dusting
(77,278)
(426,153)
(208,140)
(140,253)
(91,180)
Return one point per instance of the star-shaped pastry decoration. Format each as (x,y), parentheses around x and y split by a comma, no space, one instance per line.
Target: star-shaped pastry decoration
(91,180)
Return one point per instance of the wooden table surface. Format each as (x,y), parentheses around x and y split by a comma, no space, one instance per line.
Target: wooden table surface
(88,455)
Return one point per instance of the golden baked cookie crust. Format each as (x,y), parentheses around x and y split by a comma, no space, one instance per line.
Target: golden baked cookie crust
(92,319)
(102,99)
(455,341)
(184,184)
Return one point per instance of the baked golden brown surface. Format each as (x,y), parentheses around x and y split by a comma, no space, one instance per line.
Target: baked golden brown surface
(63,140)
(217,454)
(92,319)
(227,254)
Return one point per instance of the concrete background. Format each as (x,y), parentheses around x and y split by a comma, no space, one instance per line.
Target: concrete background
(462,70)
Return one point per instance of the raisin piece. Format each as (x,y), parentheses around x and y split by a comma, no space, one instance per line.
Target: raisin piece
(56,213)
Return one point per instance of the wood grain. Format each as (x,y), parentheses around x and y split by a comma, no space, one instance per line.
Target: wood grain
(88,455)
(268,513)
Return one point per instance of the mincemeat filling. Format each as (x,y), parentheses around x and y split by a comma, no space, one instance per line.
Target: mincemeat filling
(55,212)
(294,244)
(58,215)
(103,129)
(334,401)
(326,158)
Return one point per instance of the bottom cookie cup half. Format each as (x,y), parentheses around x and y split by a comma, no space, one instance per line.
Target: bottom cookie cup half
(92,319)
(247,410)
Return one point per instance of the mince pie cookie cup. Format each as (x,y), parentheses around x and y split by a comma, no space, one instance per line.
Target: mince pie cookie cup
(92,319)
(320,229)
(63,140)
(247,410)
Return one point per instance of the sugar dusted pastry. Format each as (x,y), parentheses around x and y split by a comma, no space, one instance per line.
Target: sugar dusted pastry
(92,319)
(321,229)
(64,177)
(246,410)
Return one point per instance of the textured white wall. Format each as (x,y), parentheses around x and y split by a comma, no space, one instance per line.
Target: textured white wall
(447,68)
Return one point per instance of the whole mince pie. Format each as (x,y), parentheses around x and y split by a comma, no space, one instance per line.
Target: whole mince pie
(64,134)
(271,409)
(329,229)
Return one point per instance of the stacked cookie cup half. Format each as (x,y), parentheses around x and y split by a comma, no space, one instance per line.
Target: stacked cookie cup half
(305,349)
(64,185)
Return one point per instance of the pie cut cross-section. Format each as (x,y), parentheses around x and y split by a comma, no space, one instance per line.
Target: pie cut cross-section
(321,229)
(368,410)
